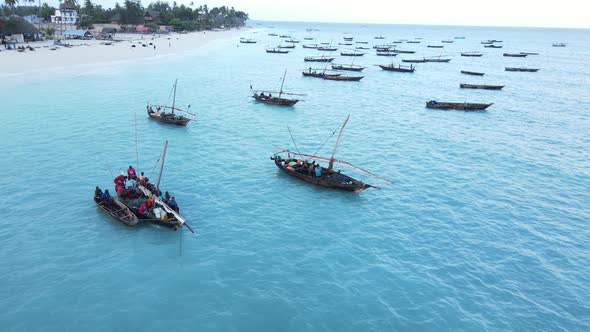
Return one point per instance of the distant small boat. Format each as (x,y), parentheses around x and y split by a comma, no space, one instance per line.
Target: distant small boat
(285,36)
(247,41)
(397,41)
(529,53)
(435,46)
(447,41)
(457,106)
(327,49)
(286,46)
(472,73)
(402,51)
(361,42)
(559,45)
(308,38)
(345,44)
(398,68)
(347,67)
(413,42)
(292,41)
(515,55)
(362,48)
(414,60)
(318,59)
(343,78)
(481,86)
(383,46)
(472,54)
(276,50)
(313,46)
(386,53)
(325,43)
(267,98)
(486,43)
(521,69)
(352,53)
(320,73)
(379,37)
(493,46)
(460,37)
(273,34)
(347,38)
(436,59)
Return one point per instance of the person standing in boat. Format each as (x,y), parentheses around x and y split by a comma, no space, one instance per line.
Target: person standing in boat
(131,173)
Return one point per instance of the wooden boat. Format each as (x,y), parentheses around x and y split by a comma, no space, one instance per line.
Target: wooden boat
(350,67)
(343,78)
(292,41)
(273,34)
(486,43)
(325,43)
(362,48)
(352,53)
(435,46)
(307,38)
(481,86)
(361,42)
(397,41)
(275,50)
(162,115)
(345,44)
(327,49)
(521,69)
(321,176)
(402,51)
(459,37)
(386,53)
(457,106)
(318,59)
(559,45)
(383,49)
(398,68)
(286,46)
(472,54)
(247,41)
(436,59)
(379,37)
(414,60)
(493,46)
(117,210)
(160,213)
(284,36)
(472,73)
(413,42)
(529,53)
(347,38)
(260,96)
(313,46)
(319,73)
(447,41)
(515,55)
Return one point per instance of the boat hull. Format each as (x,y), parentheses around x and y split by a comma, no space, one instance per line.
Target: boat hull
(275,101)
(343,78)
(118,210)
(133,205)
(169,119)
(457,106)
(471,73)
(398,69)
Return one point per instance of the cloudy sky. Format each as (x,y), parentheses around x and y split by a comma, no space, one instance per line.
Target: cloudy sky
(534,13)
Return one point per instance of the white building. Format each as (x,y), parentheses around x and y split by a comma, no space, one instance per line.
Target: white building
(67,16)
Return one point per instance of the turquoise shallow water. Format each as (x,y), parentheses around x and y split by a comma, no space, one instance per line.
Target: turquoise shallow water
(484,228)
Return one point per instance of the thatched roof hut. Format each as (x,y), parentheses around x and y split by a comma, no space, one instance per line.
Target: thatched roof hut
(16,25)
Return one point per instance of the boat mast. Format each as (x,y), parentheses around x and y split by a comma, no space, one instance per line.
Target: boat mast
(174,98)
(283,82)
(331,164)
(162,166)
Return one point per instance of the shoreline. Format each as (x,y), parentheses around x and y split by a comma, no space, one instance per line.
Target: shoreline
(95,52)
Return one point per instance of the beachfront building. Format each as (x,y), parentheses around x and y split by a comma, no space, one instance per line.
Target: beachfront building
(15,29)
(77,34)
(65,16)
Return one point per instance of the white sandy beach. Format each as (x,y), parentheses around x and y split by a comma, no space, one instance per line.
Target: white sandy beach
(84,52)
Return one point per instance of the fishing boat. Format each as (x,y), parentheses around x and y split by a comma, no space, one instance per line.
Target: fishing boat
(559,45)
(312,46)
(457,106)
(276,50)
(472,73)
(481,86)
(521,69)
(413,42)
(486,43)
(459,37)
(402,51)
(530,53)
(398,68)
(260,96)
(273,34)
(347,38)
(284,36)
(472,54)
(307,38)
(292,41)
(160,212)
(117,210)
(327,49)
(343,78)
(350,67)
(515,55)
(313,173)
(362,48)
(319,73)
(318,59)
(383,49)
(436,59)
(493,46)
(345,44)
(286,46)
(414,60)
(435,46)
(386,53)
(352,53)
(247,41)
(447,41)
(162,115)
(379,37)
(361,42)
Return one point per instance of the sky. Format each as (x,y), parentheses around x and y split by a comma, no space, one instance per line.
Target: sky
(528,13)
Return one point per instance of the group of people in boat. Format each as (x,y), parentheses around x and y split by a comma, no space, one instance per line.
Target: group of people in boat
(102,197)
(302,166)
(263,96)
(162,114)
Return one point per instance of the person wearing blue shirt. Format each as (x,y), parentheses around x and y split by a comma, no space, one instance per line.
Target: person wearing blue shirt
(106,197)
(172,204)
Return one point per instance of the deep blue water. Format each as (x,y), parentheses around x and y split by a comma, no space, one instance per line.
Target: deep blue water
(484,228)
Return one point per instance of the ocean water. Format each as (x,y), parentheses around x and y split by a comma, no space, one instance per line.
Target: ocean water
(485,227)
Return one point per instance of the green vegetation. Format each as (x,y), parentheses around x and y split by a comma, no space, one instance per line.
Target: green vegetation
(188,18)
